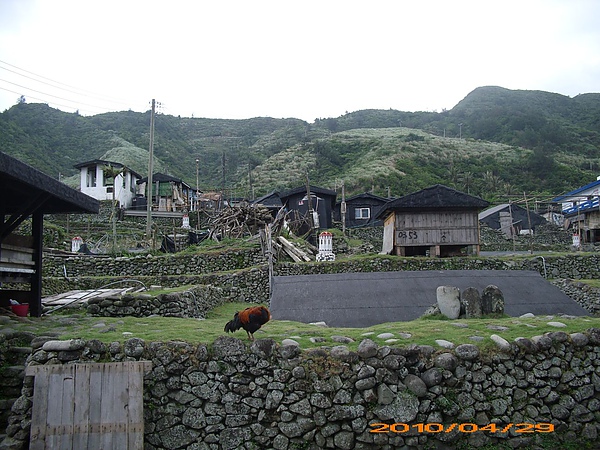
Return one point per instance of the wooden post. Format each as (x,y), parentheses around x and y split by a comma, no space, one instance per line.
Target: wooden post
(270,256)
(37,231)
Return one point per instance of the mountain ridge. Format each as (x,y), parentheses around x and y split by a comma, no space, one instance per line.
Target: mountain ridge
(532,141)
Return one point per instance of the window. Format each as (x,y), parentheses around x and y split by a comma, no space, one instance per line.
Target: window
(91,177)
(362,213)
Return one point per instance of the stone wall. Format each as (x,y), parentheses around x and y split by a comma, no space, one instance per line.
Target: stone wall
(584,294)
(267,396)
(246,276)
(194,302)
(172,268)
(151,265)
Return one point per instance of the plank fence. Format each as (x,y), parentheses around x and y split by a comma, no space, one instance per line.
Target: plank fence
(90,405)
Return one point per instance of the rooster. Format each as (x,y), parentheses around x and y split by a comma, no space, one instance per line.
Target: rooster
(250,319)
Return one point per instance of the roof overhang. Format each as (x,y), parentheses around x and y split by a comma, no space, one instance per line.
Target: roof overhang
(25,189)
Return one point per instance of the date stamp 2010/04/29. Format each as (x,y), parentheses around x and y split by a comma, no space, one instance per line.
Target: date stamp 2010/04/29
(466,427)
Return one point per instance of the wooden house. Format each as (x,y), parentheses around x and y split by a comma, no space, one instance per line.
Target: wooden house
(271,201)
(361,210)
(322,202)
(581,210)
(169,194)
(97,183)
(436,221)
(29,193)
(511,219)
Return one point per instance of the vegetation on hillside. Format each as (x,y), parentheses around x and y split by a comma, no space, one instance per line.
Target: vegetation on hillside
(495,143)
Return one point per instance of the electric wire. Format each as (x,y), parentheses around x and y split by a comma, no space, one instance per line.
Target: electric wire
(57,85)
(73,89)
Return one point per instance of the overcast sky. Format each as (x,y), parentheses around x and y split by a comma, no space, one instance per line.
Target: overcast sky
(285,58)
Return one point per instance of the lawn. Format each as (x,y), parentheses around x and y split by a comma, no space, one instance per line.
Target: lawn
(68,324)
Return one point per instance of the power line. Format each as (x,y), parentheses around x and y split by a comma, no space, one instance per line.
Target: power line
(81,92)
(54,96)
(41,99)
(76,90)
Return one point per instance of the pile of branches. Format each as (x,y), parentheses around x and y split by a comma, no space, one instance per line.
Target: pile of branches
(238,221)
(250,220)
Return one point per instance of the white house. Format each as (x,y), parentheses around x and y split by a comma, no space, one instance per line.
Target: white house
(95,183)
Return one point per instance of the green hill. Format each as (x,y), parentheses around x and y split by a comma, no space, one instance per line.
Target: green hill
(494,143)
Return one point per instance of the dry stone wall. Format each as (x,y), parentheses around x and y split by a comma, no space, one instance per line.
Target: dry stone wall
(266,396)
(243,277)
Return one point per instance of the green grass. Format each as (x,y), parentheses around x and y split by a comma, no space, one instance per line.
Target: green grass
(72,324)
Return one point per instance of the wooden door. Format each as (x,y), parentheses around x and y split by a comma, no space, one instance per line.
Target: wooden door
(79,406)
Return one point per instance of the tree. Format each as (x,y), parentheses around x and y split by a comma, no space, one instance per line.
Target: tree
(113,172)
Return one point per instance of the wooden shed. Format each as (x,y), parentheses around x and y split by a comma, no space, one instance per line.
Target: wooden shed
(361,210)
(28,193)
(436,221)
(322,204)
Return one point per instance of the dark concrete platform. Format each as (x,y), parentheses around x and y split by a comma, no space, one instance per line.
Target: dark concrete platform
(358,300)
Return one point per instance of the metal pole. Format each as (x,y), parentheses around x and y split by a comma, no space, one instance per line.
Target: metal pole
(150,169)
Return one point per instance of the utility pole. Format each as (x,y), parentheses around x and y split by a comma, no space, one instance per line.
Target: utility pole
(311,216)
(197,194)
(529,221)
(343,208)
(223,180)
(150,169)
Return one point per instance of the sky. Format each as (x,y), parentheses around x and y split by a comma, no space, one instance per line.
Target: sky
(237,59)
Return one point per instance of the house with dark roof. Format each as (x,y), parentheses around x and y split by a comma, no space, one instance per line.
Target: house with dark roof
(322,204)
(511,219)
(96,181)
(169,194)
(436,221)
(29,193)
(361,210)
(581,209)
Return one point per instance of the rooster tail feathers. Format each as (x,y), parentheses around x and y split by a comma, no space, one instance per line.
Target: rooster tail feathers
(233,325)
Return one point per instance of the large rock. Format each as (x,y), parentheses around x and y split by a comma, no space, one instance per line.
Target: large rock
(492,300)
(448,300)
(403,409)
(471,302)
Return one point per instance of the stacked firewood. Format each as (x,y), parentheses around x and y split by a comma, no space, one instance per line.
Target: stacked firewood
(239,221)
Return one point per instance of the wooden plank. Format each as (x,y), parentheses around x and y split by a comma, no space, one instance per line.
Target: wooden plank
(15,269)
(60,408)
(39,411)
(95,396)
(135,424)
(115,421)
(81,414)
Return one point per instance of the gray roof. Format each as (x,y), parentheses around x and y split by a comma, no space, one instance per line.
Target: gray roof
(364,299)
(101,162)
